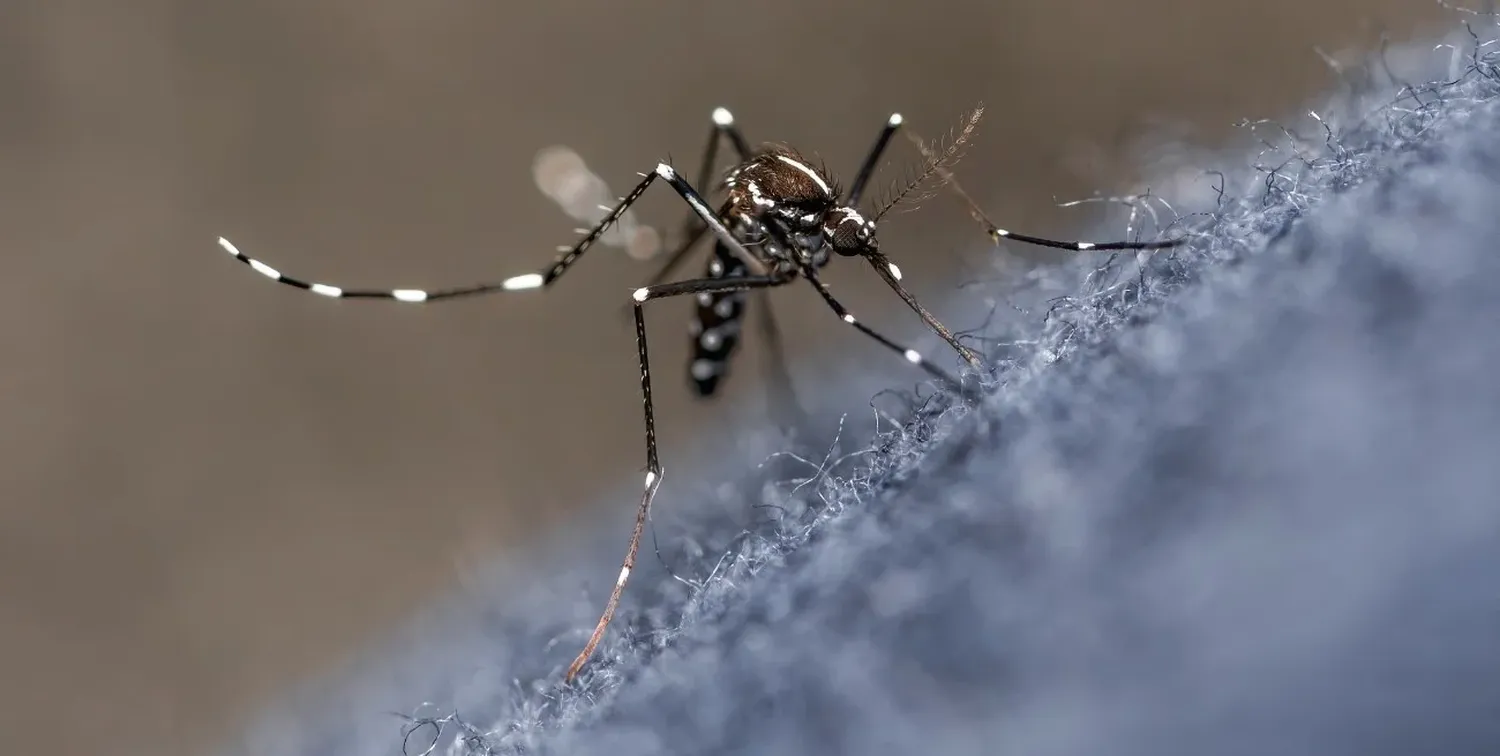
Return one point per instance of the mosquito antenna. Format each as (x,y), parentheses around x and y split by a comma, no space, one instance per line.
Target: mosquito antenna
(948,178)
(937,165)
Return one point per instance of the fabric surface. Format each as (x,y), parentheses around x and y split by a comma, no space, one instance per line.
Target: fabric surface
(1240,499)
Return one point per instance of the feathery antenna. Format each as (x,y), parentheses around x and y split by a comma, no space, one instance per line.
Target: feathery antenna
(938,165)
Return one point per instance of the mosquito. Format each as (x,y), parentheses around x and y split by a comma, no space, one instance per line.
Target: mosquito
(779,219)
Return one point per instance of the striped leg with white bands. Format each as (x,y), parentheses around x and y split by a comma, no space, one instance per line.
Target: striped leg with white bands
(523,282)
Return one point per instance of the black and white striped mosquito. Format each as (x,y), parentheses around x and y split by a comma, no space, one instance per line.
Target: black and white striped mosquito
(779,218)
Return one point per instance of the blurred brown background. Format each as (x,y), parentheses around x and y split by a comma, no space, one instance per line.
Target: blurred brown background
(216,487)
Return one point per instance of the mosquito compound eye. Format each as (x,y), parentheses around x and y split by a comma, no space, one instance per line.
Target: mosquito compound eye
(849,239)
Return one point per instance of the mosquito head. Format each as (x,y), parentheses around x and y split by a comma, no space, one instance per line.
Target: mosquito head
(849,233)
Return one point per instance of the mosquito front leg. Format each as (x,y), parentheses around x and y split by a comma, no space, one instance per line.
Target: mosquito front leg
(907,353)
(545,277)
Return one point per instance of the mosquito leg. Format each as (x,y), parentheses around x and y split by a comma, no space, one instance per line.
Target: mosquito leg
(546,277)
(910,355)
(709,217)
(653,464)
(724,127)
(891,274)
(862,179)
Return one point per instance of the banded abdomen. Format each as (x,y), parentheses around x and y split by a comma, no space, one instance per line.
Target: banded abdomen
(716,324)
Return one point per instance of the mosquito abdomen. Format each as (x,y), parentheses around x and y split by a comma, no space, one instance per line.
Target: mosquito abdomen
(716,325)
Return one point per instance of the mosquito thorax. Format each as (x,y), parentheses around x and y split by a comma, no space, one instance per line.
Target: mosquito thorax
(778,184)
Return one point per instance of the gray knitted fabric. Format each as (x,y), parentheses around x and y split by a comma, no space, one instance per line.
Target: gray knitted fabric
(1241,499)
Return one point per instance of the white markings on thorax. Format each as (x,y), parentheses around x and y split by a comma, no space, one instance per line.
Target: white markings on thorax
(759,199)
(812,174)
